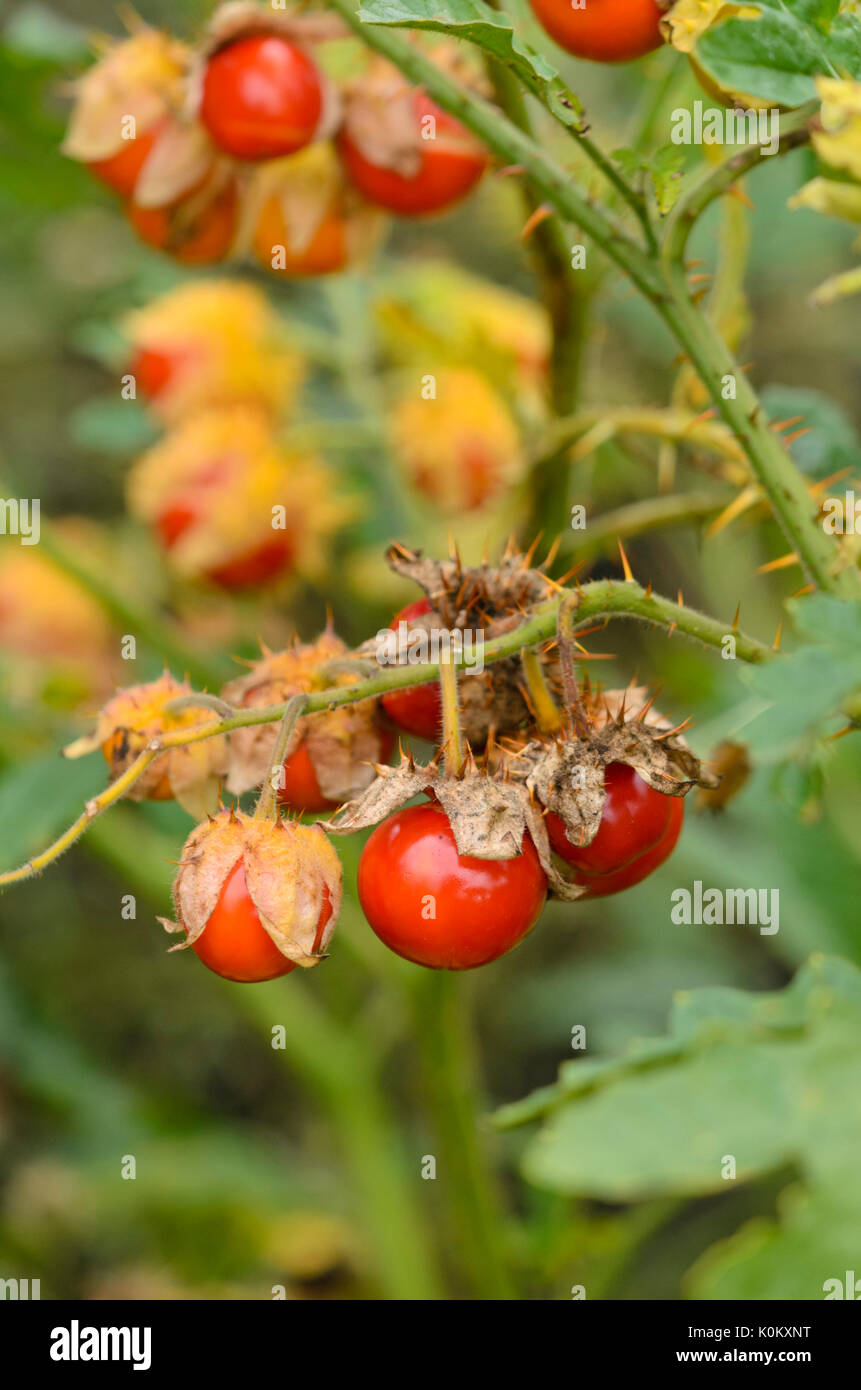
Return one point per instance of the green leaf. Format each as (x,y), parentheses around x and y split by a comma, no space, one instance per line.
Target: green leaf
(832,443)
(807,687)
(664,171)
(776,56)
(770,1080)
(490,31)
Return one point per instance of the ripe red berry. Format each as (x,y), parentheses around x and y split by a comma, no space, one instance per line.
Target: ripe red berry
(234,943)
(638,831)
(418,710)
(152,371)
(262,97)
(449,165)
(607,31)
(327,251)
(192,235)
(440,909)
(120,171)
(259,565)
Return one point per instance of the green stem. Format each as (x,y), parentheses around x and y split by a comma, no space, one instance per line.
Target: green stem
(604,599)
(664,285)
(449,1070)
(640,518)
(267,805)
(565,295)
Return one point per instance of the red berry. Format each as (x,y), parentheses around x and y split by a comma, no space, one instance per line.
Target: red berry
(262,98)
(418,710)
(438,908)
(121,171)
(152,370)
(607,31)
(300,789)
(235,944)
(257,566)
(638,831)
(447,170)
(327,251)
(202,239)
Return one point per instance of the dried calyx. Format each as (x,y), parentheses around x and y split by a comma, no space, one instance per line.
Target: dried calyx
(381,120)
(342,744)
(489,813)
(566,773)
(486,601)
(291,872)
(128,724)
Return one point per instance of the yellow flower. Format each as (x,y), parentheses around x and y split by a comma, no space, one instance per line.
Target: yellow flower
(688,20)
(212,343)
(839,141)
(55,638)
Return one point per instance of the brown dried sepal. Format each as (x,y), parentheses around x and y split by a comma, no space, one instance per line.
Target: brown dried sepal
(489,815)
(567,777)
(143,76)
(128,724)
(495,599)
(341,743)
(380,119)
(288,870)
(732,767)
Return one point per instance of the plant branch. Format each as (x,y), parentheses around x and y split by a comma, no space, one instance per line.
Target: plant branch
(664,285)
(601,599)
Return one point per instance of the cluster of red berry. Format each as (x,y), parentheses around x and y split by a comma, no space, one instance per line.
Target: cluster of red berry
(245,144)
(584,804)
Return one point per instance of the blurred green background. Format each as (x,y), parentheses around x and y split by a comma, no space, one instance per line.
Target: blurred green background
(260,1167)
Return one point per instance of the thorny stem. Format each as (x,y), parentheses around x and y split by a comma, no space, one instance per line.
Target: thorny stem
(565,637)
(452,740)
(267,805)
(680,426)
(639,518)
(200,701)
(602,599)
(664,285)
